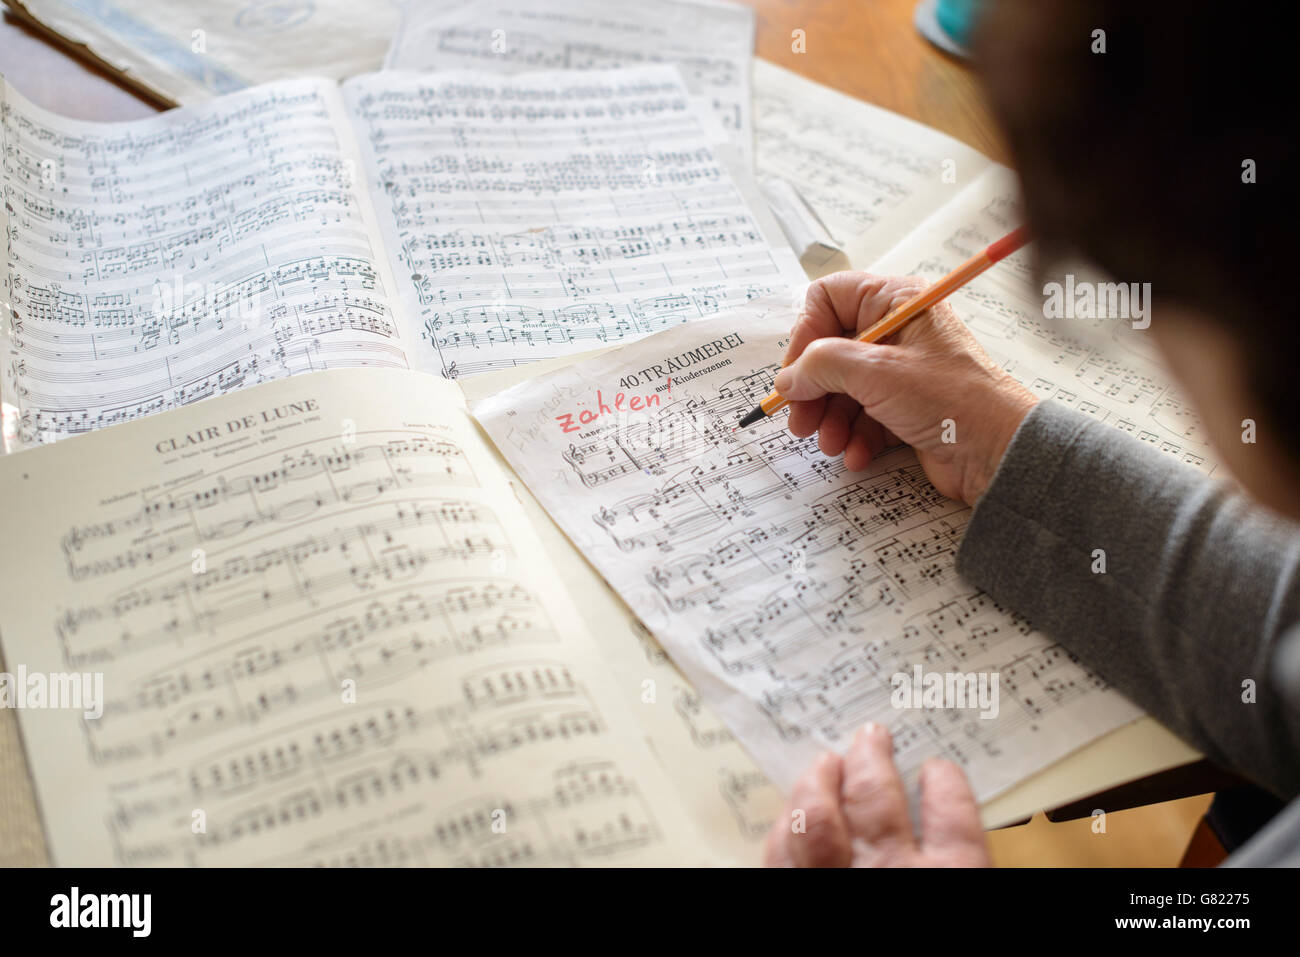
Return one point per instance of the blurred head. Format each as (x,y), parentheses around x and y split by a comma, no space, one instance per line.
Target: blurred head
(1135,159)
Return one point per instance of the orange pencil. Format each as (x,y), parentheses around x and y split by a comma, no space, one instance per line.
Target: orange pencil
(942,289)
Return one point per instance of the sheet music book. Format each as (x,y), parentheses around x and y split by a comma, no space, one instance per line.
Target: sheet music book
(453,223)
(322,632)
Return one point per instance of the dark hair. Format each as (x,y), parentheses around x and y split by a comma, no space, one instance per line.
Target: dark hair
(1133,158)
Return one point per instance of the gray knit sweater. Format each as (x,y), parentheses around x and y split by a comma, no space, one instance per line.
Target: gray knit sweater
(1200,594)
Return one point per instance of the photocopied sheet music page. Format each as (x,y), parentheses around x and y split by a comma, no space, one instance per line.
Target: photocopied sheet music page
(790,592)
(308,623)
(712,43)
(543,214)
(157,262)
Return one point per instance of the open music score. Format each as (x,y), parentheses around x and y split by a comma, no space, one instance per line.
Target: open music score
(163,261)
(870,175)
(789,591)
(167,260)
(327,636)
(538,215)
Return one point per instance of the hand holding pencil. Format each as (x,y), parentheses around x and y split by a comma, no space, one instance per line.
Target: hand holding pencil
(931,386)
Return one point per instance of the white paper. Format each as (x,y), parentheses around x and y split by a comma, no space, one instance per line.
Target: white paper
(538,215)
(789,591)
(161,261)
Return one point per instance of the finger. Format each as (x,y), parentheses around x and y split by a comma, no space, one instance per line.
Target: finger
(776,848)
(833,431)
(950,818)
(866,441)
(857,454)
(843,303)
(818,833)
(875,433)
(873,798)
(841,365)
(806,416)
(863,299)
(818,317)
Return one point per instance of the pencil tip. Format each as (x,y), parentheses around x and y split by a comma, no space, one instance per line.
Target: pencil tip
(751,418)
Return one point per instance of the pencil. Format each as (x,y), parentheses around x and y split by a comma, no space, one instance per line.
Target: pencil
(887,326)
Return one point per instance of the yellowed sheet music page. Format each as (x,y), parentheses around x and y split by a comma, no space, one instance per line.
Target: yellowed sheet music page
(325,634)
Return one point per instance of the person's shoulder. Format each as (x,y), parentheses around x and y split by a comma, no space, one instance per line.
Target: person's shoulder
(1276,845)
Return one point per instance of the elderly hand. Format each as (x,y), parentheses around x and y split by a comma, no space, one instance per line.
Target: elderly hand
(932,386)
(852,812)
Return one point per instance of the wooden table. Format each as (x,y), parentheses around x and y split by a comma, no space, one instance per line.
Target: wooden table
(869,49)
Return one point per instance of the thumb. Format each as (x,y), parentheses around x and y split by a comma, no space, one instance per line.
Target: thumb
(835,365)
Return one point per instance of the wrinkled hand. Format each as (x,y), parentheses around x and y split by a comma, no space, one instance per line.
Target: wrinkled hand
(852,812)
(931,386)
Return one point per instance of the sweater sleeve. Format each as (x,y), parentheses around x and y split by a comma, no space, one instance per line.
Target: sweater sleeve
(1168,584)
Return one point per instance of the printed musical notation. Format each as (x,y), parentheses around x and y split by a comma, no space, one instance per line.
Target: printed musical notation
(538,215)
(1101,366)
(793,590)
(326,638)
(167,260)
(868,174)
(712,44)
